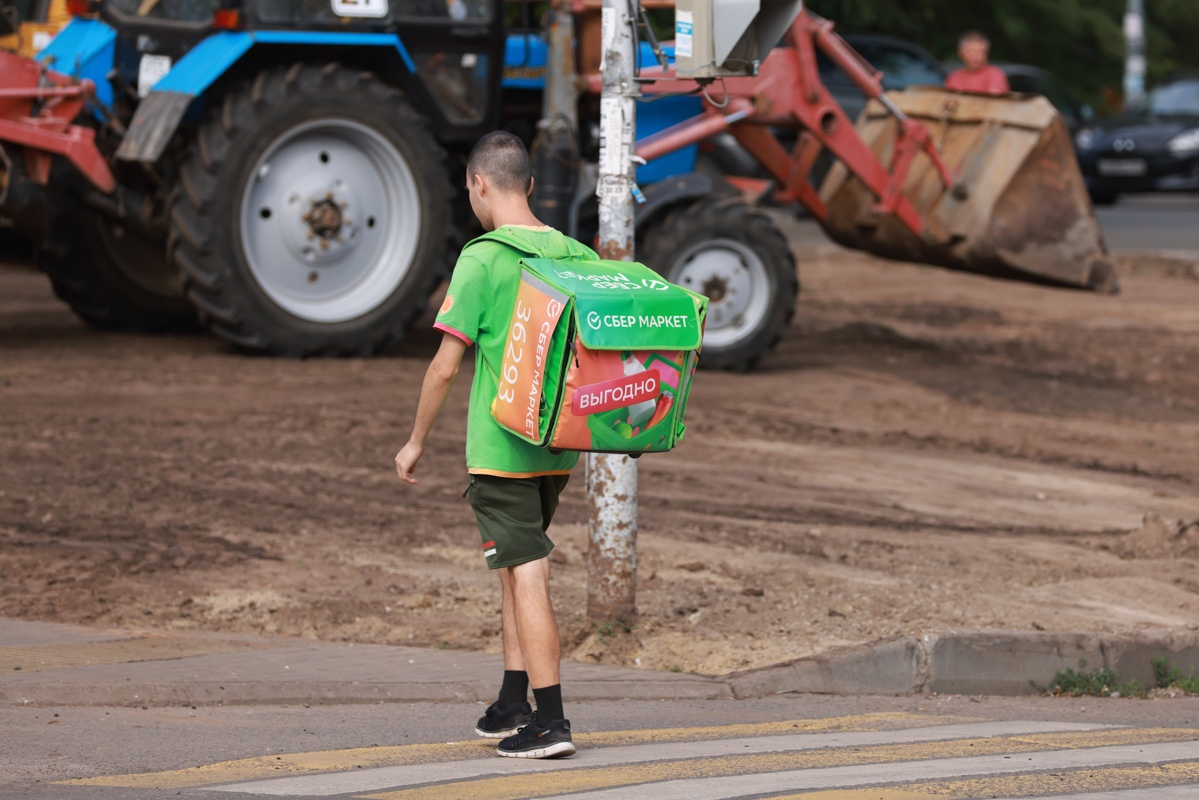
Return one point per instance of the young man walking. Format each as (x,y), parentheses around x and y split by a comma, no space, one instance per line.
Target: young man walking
(514,485)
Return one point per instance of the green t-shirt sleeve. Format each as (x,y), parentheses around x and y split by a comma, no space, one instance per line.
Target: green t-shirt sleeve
(466,301)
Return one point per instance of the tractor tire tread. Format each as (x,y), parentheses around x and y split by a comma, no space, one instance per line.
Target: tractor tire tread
(85,276)
(200,250)
(680,227)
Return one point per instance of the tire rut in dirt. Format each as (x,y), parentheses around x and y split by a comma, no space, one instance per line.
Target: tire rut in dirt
(312,216)
(724,249)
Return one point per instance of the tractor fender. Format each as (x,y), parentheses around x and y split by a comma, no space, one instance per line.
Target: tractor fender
(84,49)
(158,115)
(664,194)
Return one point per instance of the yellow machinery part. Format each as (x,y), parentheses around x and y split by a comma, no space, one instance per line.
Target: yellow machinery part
(35,34)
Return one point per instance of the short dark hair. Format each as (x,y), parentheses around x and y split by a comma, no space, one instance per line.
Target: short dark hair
(974,36)
(503,159)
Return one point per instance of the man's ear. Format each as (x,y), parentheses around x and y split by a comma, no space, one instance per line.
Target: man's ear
(530,192)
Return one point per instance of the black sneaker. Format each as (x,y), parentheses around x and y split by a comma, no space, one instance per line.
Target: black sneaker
(534,741)
(498,722)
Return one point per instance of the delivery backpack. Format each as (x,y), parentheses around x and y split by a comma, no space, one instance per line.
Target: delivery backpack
(599,357)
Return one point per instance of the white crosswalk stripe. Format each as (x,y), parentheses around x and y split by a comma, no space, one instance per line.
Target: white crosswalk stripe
(723,788)
(400,777)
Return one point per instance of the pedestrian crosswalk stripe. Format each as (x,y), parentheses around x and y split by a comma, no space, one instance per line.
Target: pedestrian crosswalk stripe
(725,776)
(1106,782)
(774,784)
(492,767)
(898,756)
(248,769)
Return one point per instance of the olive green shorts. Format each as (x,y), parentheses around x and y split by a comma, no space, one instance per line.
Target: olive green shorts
(513,515)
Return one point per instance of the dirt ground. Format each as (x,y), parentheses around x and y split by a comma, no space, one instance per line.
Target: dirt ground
(925,451)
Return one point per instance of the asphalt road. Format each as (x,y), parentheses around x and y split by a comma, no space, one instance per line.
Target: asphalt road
(1136,223)
(1151,222)
(904,747)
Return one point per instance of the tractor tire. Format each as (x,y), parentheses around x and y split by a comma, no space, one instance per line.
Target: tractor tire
(731,253)
(312,216)
(109,274)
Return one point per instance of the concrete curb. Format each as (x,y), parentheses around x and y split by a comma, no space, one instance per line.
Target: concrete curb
(967,662)
(261,671)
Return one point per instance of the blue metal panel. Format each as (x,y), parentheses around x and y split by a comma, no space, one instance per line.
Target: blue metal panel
(211,58)
(657,116)
(524,61)
(85,48)
(205,62)
(354,39)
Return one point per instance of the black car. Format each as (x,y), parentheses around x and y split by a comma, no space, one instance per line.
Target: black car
(1151,147)
(903,64)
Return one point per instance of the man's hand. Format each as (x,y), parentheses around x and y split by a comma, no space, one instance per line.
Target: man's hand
(406,461)
(439,377)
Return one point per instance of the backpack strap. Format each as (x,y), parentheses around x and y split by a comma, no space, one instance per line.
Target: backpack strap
(503,237)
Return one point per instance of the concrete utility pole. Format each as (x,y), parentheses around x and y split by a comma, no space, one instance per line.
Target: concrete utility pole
(612,479)
(561,95)
(1134,51)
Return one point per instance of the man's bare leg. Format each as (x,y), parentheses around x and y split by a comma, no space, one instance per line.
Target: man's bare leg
(514,659)
(510,711)
(536,628)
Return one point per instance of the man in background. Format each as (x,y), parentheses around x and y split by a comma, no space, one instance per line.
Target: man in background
(975,74)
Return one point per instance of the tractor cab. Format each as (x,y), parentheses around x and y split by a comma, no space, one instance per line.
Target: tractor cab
(445,55)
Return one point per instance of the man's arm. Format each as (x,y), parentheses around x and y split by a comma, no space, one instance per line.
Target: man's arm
(439,379)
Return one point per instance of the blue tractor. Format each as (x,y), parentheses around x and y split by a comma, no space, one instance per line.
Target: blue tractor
(288,173)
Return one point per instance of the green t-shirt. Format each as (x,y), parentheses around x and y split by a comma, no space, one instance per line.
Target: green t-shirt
(478,309)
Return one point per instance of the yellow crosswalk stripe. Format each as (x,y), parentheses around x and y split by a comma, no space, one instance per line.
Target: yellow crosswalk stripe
(1105,779)
(282,765)
(549,784)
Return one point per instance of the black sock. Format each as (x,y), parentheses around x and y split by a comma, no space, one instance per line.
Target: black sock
(515,688)
(549,704)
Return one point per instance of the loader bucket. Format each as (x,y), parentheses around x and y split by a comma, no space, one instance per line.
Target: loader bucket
(1018,207)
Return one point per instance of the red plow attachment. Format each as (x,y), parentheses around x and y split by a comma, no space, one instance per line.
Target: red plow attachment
(37,110)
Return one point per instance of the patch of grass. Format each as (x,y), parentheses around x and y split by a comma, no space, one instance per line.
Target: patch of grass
(1109,683)
(1166,675)
(607,630)
(1094,683)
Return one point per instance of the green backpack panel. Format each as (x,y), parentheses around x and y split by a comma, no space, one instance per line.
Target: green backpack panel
(600,355)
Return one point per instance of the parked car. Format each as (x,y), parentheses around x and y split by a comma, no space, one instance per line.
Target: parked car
(1152,147)
(902,63)
(1034,80)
